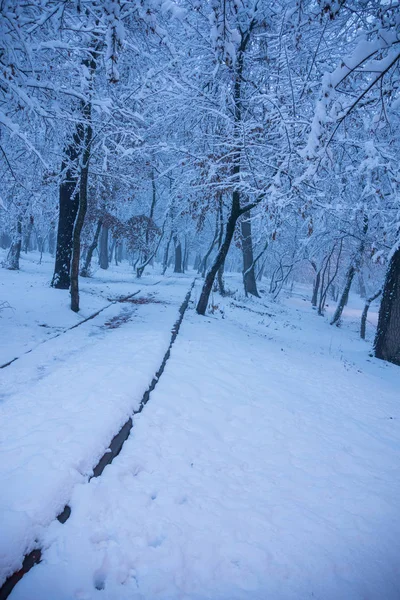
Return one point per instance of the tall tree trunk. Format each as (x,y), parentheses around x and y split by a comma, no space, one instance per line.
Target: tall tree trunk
(85,271)
(166,253)
(68,208)
(119,254)
(111,254)
(317,280)
(103,255)
(353,268)
(249,278)
(314,299)
(203,265)
(235,211)
(363,325)
(80,219)
(178,256)
(345,295)
(221,255)
(220,280)
(28,235)
(387,339)
(51,243)
(14,253)
(197,262)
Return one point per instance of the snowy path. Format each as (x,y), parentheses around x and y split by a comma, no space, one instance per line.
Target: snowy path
(63,402)
(263,467)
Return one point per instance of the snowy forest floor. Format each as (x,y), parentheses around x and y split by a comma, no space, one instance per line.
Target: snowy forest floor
(265,466)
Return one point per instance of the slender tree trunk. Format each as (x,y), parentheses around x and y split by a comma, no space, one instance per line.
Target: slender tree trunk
(221,255)
(203,265)
(387,339)
(364,315)
(220,279)
(14,253)
(111,253)
(345,295)
(80,219)
(166,255)
(178,256)
(119,254)
(361,284)
(353,268)
(28,235)
(197,262)
(52,241)
(85,271)
(103,257)
(68,208)
(317,280)
(249,278)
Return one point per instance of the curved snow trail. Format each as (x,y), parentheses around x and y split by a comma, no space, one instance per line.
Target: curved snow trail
(60,431)
(260,471)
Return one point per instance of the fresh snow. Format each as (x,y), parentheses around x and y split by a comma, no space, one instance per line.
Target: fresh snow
(265,465)
(62,403)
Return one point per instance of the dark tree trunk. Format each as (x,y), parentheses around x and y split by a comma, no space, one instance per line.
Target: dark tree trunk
(111,254)
(235,211)
(185,255)
(80,219)
(197,262)
(28,234)
(317,280)
(51,241)
(249,278)
(119,254)
(361,285)
(166,255)
(345,295)
(68,208)
(387,339)
(221,255)
(178,256)
(103,255)
(203,265)
(14,253)
(220,279)
(364,315)
(85,271)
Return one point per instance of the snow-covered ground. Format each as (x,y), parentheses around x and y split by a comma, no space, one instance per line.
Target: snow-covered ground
(61,404)
(265,466)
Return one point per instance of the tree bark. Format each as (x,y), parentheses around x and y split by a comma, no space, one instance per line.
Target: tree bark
(12,260)
(249,278)
(166,254)
(178,256)
(85,271)
(103,256)
(345,295)
(364,315)
(68,208)
(203,265)
(28,235)
(387,339)
(317,280)
(80,219)
(235,211)
(221,255)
